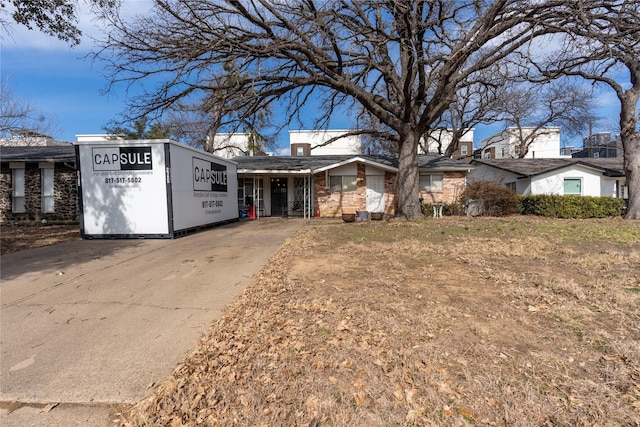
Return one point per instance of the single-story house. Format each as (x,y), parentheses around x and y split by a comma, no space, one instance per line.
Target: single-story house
(584,177)
(38,183)
(327,186)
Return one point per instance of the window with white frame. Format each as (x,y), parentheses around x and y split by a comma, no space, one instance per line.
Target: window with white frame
(342,183)
(17,191)
(464,150)
(573,186)
(46,196)
(431,182)
(299,151)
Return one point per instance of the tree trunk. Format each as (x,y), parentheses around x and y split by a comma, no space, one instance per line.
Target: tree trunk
(408,178)
(631,146)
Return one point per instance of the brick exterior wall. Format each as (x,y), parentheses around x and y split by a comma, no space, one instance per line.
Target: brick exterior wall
(452,185)
(334,204)
(331,205)
(64,189)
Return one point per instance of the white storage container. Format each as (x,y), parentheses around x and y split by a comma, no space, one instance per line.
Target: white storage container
(152,189)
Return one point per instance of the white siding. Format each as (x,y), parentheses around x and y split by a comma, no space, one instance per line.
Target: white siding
(488,173)
(228,145)
(315,138)
(545,145)
(350,169)
(444,136)
(593,182)
(372,170)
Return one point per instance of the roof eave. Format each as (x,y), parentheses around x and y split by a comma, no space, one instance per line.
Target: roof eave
(38,160)
(275,171)
(448,169)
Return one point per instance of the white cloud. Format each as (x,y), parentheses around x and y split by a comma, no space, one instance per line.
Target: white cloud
(607,99)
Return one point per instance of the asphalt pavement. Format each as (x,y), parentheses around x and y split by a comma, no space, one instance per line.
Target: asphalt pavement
(89,325)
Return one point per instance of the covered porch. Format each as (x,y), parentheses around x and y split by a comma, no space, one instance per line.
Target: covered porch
(275,193)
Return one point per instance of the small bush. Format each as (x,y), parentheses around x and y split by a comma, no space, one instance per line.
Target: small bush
(486,198)
(555,206)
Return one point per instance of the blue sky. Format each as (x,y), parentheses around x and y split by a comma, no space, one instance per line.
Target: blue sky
(61,82)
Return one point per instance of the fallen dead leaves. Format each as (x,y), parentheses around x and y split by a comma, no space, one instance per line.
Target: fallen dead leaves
(15,238)
(399,323)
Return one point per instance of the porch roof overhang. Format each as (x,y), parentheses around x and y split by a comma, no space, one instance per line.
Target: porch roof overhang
(274,172)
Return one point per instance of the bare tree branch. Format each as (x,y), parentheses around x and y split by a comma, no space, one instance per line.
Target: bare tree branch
(403,62)
(19,119)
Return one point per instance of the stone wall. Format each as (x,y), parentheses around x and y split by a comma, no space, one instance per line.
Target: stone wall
(5,191)
(64,188)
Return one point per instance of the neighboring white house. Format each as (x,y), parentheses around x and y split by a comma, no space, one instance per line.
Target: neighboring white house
(505,144)
(314,143)
(440,140)
(230,145)
(582,177)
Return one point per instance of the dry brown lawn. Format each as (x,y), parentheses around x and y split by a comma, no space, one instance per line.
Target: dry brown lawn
(515,321)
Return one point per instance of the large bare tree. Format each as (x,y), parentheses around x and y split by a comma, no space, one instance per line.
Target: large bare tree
(402,61)
(602,44)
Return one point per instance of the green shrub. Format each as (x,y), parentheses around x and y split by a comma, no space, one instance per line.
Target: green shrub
(556,206)
(486,198)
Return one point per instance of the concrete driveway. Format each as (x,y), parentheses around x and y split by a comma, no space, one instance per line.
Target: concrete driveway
(92,324)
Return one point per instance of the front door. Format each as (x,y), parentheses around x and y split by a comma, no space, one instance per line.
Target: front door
(278,196)
(375,193)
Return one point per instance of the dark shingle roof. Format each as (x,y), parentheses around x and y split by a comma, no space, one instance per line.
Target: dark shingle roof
(438,162)
(314,163)
(302,163)
(612,166)
(54,153)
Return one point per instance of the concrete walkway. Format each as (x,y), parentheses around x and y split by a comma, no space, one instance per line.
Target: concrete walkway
(88,325)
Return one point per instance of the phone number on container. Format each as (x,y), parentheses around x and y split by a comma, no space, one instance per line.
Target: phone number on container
(128,180)
(212,203)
